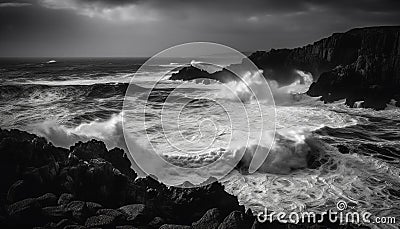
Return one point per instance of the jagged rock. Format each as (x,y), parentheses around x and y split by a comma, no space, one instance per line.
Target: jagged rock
(89,150)
(235,220)
(118,216)
(65,198)
(210,220)
(48,199)
(78,210)
(21,151)
(191,73)
(193,203)
(100,221)
(98,181)
(136,213)
(118,158)
(146,186)
(370,75)
(350,84)
(362,64)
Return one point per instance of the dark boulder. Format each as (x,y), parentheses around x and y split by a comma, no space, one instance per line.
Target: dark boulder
(97,181)
(118,216)
(48,199)
(136,213)
(191,73)
(78,210)
(118,158)
(192,203)
(235,220)
(100,221)
(27,155)
(65,198)
(371,74)
(89,150)
(350,84)
(210,220)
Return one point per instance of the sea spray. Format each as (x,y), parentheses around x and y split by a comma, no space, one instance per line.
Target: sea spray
(291,150)
(253,86)
(109,131)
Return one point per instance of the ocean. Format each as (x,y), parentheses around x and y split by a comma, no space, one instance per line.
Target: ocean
(355,151)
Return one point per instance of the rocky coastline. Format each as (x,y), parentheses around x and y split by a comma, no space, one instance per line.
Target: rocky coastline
(89,186)
(362,64)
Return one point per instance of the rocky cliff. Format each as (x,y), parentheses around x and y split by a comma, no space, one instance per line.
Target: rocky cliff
(369,73)
(361,64)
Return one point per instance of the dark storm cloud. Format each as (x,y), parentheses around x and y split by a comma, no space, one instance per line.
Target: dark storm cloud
(255,5)
(108,3)
(13,4)
(144,27)
(111,2)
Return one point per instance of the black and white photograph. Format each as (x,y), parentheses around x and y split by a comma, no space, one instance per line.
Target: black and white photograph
(154,114)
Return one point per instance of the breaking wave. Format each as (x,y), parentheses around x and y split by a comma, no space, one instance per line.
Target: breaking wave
(15,91)
(109,131)
(254,87)
(291,150)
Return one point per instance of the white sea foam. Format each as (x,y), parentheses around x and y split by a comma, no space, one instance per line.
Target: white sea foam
(109,131)
(284,181)
(253,87)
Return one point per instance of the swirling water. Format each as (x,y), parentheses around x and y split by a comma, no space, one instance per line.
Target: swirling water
(79,99)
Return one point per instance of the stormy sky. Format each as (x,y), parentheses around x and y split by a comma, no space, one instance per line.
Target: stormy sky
(63,28)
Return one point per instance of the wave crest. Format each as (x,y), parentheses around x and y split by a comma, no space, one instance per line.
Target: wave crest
(291,150)
(253,87)
(109,131)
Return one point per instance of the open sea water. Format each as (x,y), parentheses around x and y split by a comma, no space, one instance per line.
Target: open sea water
(356,151)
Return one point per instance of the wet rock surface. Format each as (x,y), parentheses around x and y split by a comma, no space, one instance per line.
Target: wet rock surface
(362,64)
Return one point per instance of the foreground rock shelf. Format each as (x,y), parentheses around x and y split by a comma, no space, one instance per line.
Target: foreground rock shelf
(88,186)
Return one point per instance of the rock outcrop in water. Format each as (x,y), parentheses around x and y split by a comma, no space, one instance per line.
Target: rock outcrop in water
(369,71)
(362,64)
(192,73)
(88,186)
